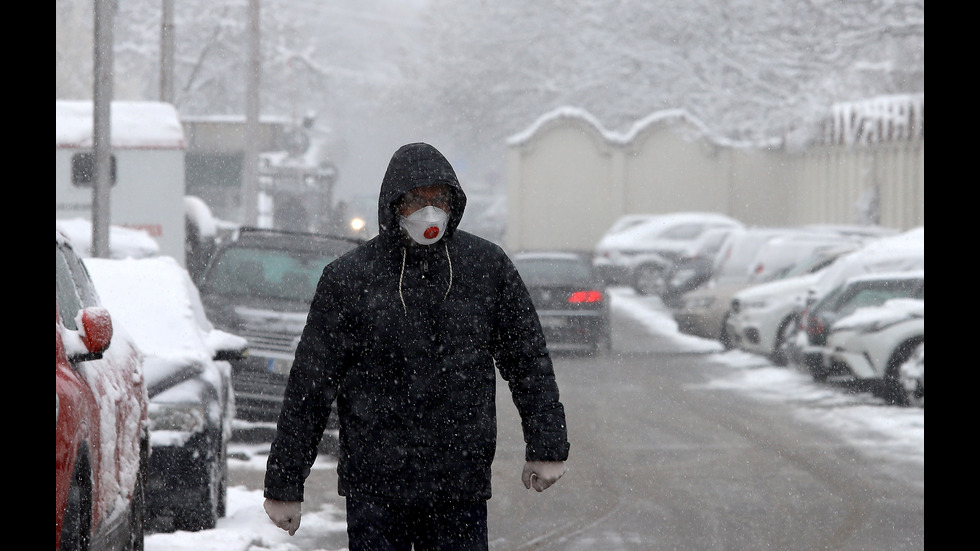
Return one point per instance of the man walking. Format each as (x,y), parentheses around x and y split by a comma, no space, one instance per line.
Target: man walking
(406,332)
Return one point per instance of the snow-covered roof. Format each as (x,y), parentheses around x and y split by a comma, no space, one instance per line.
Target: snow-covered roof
(134,125)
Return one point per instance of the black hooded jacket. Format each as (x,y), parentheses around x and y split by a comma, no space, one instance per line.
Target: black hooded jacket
(406,338)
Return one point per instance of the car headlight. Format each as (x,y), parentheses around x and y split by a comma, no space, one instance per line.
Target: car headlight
(176,417)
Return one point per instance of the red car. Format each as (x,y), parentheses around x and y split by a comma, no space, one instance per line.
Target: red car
(101,432)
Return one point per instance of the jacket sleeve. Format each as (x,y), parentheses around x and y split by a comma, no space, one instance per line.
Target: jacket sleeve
(522,357)
(310,391)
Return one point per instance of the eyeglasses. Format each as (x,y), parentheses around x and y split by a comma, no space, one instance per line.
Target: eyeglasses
(413,201)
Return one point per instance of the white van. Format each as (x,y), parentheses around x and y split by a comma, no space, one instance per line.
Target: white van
(148,146)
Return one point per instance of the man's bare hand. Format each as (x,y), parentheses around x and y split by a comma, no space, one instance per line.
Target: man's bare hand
(284,514)
(542,474)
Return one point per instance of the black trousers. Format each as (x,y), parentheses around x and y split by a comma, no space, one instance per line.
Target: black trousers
(439,526)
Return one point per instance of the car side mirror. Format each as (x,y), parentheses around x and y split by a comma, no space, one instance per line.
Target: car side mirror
(96,330)
(226,346)
(229,354)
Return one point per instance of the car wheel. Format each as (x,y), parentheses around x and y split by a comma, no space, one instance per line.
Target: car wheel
(137,505)
(779,355)
(892,392)
(76,524)
(891,388)
(913,383)
(648,279)
(724,336)
(816,369)
(602,338)
(204,514)
(915,395)
(603,343)
(223,482)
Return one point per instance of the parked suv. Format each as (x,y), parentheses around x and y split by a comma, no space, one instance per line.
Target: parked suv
(259,285)
(857,292)
(101,438)
(694,266)
(873,344)
(763,316)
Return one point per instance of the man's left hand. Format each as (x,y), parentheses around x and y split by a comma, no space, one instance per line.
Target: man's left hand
(542,474)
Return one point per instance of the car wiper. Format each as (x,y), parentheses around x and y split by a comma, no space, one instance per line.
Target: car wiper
(188,372)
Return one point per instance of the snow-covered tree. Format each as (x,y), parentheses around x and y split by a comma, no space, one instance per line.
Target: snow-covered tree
(470,73)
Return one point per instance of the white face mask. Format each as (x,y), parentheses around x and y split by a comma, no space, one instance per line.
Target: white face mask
(425,225)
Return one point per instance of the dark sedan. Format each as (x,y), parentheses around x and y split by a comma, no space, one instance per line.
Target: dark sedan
(571,303)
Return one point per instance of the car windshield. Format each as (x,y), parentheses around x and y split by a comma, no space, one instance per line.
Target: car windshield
(266,273)
(710,241)
(739,250)
(877,293)
(629,221)
(553,271)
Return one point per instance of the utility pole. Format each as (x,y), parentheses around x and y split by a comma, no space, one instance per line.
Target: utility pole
(102,127)
(250,160)
(167,40)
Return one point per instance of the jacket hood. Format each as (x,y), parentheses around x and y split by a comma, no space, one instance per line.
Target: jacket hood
(416,165)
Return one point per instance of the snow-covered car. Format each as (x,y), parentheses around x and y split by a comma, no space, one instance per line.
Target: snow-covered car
(800,252)
(704,311)
(571,303)
(188,380)
(638,252)
(101,437)
(900,253)
(764,316)
(857,292)
(873,343)
(694,266)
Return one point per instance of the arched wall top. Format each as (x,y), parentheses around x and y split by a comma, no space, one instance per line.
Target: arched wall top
(559,116)
(676,119)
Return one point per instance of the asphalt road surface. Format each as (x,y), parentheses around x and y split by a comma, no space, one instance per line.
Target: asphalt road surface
(659,462)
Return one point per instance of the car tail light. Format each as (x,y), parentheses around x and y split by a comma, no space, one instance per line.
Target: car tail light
(585,296)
